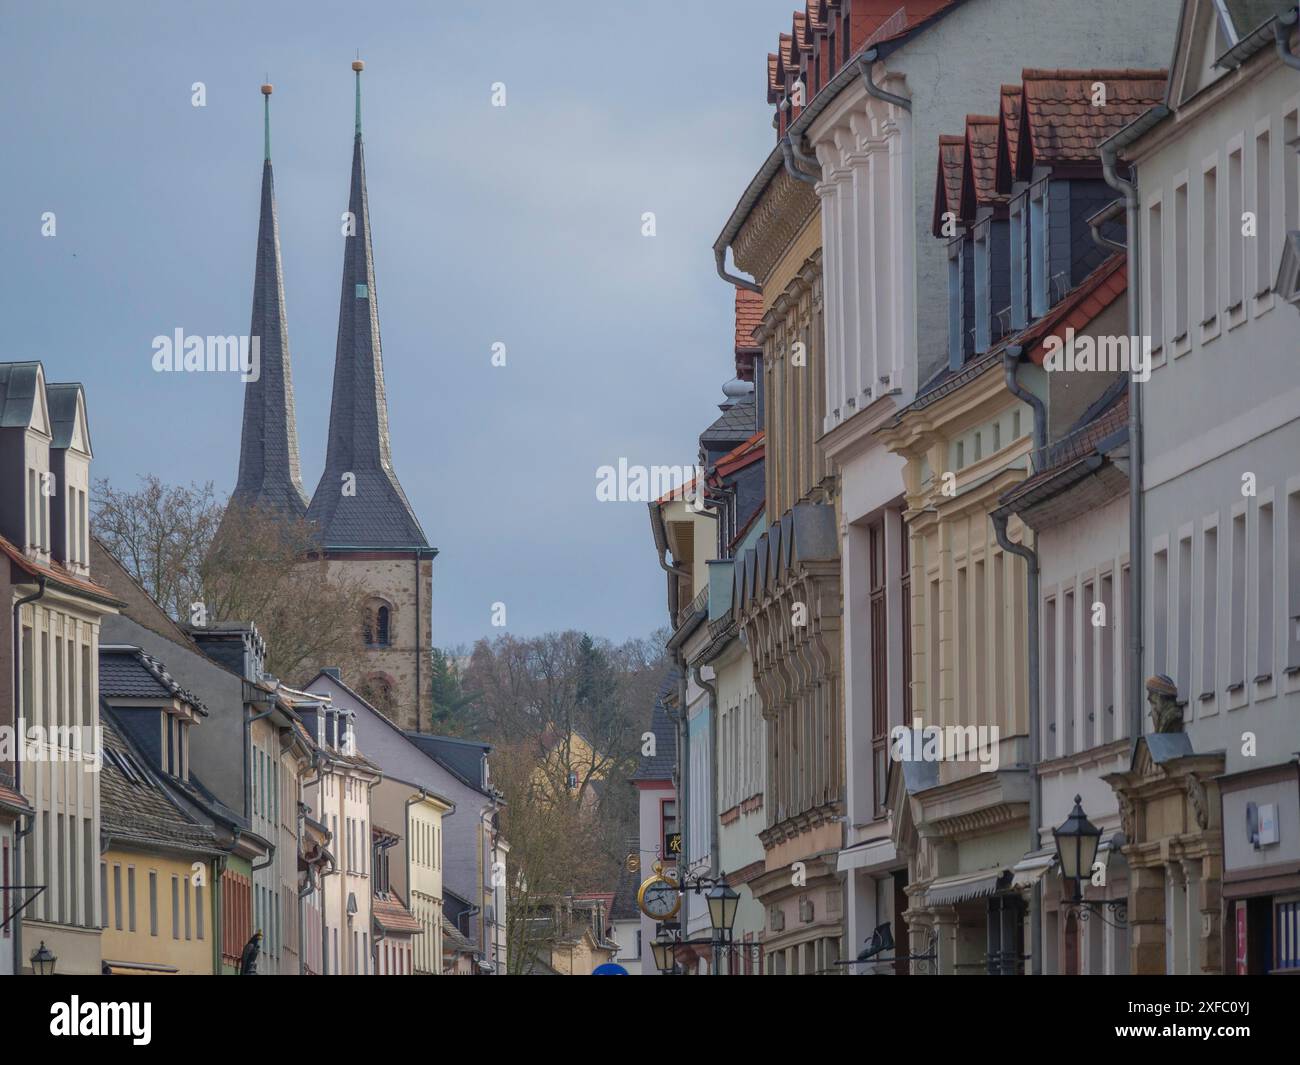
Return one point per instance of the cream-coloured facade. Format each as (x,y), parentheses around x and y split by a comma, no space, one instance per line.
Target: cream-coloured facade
(424,849)
(47,589)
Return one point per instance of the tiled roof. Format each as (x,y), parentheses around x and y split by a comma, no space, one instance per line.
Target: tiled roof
(135,809)
(132,673)
(55,572)
(1059,122)
(906,19)
(661,764)
(749,316)
(1080,306)
(1009,106)
(979,168)
(740,456)
(10,799)
(947,194)
(391,916)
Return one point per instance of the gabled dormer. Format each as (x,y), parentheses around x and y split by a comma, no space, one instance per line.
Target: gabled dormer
(26,484)
(1213,38)
(151,706)
(986,209)
(70,457)
(948,225)
(1057,181)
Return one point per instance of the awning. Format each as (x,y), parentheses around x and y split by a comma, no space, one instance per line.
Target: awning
(949,890)
(137,968)
(1032,868)
(874,853)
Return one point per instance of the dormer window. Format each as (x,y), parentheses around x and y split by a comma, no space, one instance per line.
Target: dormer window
(1040,298)
(982,237)
(1019,261)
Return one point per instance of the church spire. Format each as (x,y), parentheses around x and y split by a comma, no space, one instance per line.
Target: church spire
(269,473)
(359,502)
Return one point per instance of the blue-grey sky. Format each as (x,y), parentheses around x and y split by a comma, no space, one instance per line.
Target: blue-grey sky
(519,225)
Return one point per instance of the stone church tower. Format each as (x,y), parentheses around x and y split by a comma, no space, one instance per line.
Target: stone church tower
(363,521)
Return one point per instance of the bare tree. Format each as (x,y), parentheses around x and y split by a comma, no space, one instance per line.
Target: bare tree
(204,562)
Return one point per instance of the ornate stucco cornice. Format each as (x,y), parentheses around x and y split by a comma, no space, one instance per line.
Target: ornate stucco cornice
(774,222)
(806,281)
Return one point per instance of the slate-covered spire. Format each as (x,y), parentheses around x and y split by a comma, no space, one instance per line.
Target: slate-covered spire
(368,508)
(269,472)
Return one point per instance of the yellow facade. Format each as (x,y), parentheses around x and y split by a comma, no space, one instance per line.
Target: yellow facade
(158,913)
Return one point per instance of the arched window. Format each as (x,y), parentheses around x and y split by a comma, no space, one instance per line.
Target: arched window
(377,623)
(377,690)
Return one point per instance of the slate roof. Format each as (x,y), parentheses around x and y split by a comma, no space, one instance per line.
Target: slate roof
(270,476)
(135,809)
(735,425)
(454,940)
(61,400)
(660,766)
(379,514)
(392,916)
(17,393)
(624,907)
(463,759)
(132,673)
(1058,122)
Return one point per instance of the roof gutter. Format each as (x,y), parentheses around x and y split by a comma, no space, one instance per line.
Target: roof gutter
(1282,37)
(791,167)
(865,60)
(1136,519)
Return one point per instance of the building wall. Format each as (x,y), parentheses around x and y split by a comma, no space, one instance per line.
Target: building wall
(651,795)
(158,910)
(394,581)
(425,900)
(343,797)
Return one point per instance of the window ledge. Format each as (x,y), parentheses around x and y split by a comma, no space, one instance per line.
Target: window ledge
(1205,697)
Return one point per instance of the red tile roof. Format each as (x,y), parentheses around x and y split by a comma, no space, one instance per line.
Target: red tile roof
(1081,305)
(1008,135)
(741,456)
(906,18)
(1059,122)
(392,916)
(12,800)
(979,169)
(55,572)
(947,193)
(749,316)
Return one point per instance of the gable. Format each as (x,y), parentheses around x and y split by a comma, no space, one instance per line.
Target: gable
(1202,38)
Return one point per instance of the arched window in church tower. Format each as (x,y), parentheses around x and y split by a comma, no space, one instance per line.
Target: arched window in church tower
(377,623)
(378,692)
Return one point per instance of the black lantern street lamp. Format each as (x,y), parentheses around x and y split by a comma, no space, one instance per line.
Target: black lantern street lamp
(43,961)
(723,900)
(1076,847)
(665,951)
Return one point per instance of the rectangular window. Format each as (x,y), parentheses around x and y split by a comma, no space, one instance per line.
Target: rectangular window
(1039,298)
(87,702)
(1156,277)
(1126,610)
(187,907)
(153,902)
(117,896)
(1263,225)
(32,498)
(1237,660)
(955,303)
(1236,239)
(1293,581)
(1019,305)
(130,898)
(103,894)
(1209,610)
(1264,632)
(1160,611)
(198,909)
(1291,171)
(88,866)
(1089,634)
(1184,678)
(1209,246)
(176,908)
(1108,635)
(1051,735)
(1069,621)
(1180,262)
(983,295)
(879,622)
(933,701)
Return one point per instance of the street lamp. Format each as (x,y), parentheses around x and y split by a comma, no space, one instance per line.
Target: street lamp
(723,900)
(665,951)
(1076,847)
(43,961)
